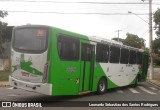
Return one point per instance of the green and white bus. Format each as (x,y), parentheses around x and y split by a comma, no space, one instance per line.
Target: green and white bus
(53,61)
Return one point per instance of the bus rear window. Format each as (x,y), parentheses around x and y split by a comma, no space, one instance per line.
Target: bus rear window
(30,40)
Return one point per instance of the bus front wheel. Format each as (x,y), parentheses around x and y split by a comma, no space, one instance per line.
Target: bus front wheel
(101,87)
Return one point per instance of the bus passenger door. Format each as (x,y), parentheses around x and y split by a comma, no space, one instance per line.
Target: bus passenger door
(87,66)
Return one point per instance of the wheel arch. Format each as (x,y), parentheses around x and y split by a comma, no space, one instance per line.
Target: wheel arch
(104,78)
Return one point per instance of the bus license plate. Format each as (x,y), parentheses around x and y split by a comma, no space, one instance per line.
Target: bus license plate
(25,74)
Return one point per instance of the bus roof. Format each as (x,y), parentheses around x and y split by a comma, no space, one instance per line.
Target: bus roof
(91,38)
(112,42)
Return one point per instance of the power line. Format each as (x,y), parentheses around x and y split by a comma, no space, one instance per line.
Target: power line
(109,3)
(121,3)
(51,12)
(147,31)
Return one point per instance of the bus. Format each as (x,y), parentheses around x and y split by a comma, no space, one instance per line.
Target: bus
(53,61)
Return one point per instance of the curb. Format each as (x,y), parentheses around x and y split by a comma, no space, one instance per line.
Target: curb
(4,84)
(154,83)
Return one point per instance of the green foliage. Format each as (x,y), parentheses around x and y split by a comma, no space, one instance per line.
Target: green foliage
(156,42)
(132,40)
(3,26)
(156,49)
(147,50)
(4,75)
(3,14)
(156,19)
(157,60)
(156,45)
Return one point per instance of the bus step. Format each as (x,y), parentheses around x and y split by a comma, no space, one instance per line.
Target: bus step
(84,92)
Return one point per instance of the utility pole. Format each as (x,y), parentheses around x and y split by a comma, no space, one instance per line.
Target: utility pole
(150,41)
(118,33)
(151,71)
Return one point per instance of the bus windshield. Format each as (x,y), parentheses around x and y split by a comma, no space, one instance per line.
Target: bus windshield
(30,40)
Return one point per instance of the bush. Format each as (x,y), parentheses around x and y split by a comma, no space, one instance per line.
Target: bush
(4,75)
(157,60)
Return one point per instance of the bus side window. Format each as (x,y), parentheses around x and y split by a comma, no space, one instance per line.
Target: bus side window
(114,54)
(124,56)
(87,52)
(139,58)
(132,57)
(102,53)
(68,48)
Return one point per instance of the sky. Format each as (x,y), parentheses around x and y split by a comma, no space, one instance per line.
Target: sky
(101,18)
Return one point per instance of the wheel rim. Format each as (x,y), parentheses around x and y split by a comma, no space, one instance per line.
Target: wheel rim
(102,86)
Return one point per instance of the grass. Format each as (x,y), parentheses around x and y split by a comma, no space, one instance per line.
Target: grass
(4,75)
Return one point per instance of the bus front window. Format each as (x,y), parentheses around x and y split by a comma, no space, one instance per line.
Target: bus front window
(30,40)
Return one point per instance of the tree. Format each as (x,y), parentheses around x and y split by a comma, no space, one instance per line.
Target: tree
(3,26)
(134,41)
(156,45)
(156,19)
(156,42)
(156,49)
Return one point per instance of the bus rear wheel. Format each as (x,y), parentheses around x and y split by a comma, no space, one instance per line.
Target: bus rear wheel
(101,88)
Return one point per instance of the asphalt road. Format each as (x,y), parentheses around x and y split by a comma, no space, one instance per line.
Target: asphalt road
(143,92)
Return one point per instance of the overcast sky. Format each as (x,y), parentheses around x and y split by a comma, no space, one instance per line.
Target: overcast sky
(101,18)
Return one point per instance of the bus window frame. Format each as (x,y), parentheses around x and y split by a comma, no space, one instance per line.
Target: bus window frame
(110,54)
(121,55)
(65,35)
(130,56)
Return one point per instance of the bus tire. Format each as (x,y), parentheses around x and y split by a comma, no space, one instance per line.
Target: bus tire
(101,87)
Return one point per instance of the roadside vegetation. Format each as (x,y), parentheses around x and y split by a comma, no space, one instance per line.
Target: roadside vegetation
(4,75)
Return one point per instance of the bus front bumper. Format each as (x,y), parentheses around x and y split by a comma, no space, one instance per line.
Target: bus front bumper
(43,88)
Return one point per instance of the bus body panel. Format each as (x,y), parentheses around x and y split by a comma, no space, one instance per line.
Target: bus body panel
(29,52)
(43,88)
(120,74)
(87,66)
(29,58)
(67,77)
(28,67)
(64,75)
